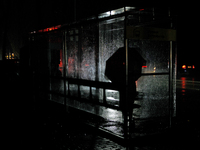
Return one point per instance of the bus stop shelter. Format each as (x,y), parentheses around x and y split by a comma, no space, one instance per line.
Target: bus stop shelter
(69,61)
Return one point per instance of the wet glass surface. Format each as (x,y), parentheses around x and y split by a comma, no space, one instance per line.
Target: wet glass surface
(112,97)
(73,90)
(55,54)
(57,85)
(85,92)
(89,53)
(156,54)
(72,54)
(88,47)
(85,59)
(111,38)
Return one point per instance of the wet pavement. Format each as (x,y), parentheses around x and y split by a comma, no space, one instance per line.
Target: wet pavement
(41,125)
(50,128)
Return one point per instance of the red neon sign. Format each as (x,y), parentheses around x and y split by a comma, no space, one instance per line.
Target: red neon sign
(47,29)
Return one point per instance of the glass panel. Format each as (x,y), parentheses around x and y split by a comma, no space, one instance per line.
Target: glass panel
(57,85)
(84,106)
(72,55)
(100,96)
(91,18)
(154,96)
(156,54)
(95,93)
(57,98)
(112,97)
(117,11)
(85,92)
(103,15)
(89,53)
(55,55)
(71,32)
(57,63)
(129,8)
(111,38)
(67,88)
(73,90)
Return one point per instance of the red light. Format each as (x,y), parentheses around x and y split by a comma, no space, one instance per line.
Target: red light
(61,64)
(49,29)
(184,67)
(57,27)
(45,30)
(141,9)
(193,67)
(144,66)
(52,28)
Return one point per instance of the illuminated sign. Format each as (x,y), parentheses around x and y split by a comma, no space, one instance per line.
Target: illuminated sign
(149,33)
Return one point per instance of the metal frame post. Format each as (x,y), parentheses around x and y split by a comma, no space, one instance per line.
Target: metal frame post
(64,69)
(127,117)
(170,85)
(170,76)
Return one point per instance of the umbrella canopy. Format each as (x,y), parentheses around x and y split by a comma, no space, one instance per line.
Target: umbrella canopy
(116,65)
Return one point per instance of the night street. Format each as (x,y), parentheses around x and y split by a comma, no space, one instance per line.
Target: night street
(188,99)
(48,127)
(108,75)
(188,83)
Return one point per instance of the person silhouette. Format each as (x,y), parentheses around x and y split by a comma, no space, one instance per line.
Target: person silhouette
(116,72)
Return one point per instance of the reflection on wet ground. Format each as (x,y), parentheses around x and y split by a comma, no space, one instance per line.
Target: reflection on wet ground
(188,83)
(184,134)
(188,93)
(152,99)
(48,127)
(152,116)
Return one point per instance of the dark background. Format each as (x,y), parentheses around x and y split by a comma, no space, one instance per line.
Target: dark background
(18,18)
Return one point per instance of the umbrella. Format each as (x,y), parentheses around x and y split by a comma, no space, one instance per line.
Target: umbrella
(116,65)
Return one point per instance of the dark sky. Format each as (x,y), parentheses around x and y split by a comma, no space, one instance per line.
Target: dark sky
(37,13)
(20,17)
(188,30)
